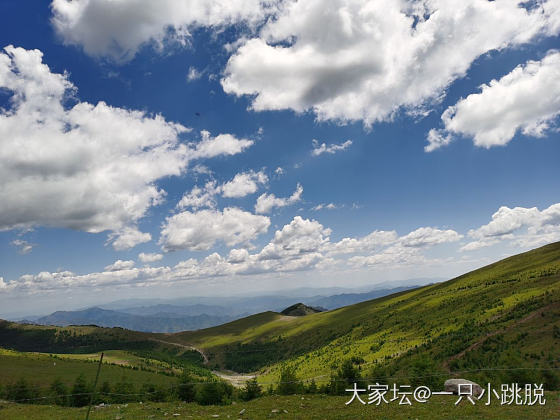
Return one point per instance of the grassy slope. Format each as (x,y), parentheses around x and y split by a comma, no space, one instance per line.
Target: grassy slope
(434,318)
(76,347)
(41,370)
(311,407)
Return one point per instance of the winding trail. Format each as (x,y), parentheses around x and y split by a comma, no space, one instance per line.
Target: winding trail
(204,357)
(238,380)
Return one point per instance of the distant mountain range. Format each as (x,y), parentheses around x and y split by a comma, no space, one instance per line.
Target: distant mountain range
(187,315)
(158,322)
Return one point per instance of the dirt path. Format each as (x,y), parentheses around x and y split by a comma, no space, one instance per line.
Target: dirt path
(204,357)
(492,334)
(236,379)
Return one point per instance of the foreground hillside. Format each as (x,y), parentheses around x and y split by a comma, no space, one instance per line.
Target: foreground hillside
(291,407)
(499,319)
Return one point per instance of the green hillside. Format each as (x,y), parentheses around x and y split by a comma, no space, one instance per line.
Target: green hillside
(503,316)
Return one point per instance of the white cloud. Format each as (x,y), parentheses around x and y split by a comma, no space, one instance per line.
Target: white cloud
(193,74)
(526,227)
(266,202)
(86,167)
(321,206)
(89,167)
(319,149)
(371,242)
(394,255)
(119,29)
(222,144)
(352,60)
(23,246)
(244,184)
(427,236)
(201,230)
(120,265)
(524,100)
(300,236)
(302,244)
(200,197)
(149,257)
(127,238)
(279,171)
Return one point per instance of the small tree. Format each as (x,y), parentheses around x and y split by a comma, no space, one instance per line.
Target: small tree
(186,390)
(252,390)
(104,394)
(214,393)
(312,387)
(19,391)
(124,391)
(154,393)
(289,382)
(345,377)
(80,392)
(59,392)
(424,371)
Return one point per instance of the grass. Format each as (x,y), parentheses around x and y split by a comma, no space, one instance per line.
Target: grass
(293,407)
(42,369)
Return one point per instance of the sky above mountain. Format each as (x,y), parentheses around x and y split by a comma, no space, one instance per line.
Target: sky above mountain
(156,149)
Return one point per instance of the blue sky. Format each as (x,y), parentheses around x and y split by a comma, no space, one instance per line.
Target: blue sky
(439,124)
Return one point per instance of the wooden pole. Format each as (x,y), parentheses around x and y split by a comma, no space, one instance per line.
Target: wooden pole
(94,386)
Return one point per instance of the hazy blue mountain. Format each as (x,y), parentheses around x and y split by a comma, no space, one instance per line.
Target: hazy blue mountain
(150,323)
(345,299)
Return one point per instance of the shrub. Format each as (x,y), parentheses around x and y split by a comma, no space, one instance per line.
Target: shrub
(214,393)
(252,390)
(20,391)
(124,392)
(345,377)
(59,392)
(289,382)
(186,390)
(80,392)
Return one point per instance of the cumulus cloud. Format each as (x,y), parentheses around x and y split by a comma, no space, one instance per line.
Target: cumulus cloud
(120,265)
(526,100)
(302,244)
(526,227)
(300,236)
(427,236)
(193,74)
(200,197)
(23,246)
(200,230)
(222,144)
(268,201)
(320,57)
(244,184)
(319,149)
(127,238)
(241,185)
(85,167)
(371,242)
(118,29)
(149,257)
(394,255)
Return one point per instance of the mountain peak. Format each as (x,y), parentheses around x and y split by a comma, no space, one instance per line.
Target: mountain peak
(300,309)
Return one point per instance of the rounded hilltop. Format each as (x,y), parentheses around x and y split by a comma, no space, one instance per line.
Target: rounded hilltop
(300,309)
